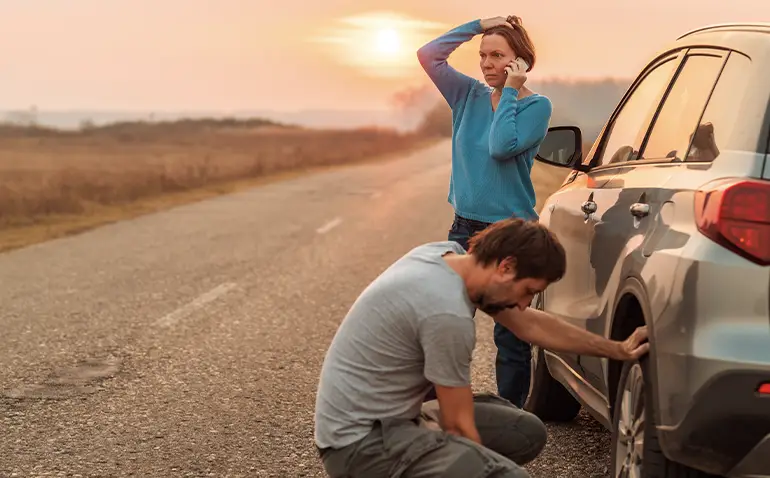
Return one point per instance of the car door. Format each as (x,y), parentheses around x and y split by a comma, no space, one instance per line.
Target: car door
(628,204)
(574,208)
(569,210)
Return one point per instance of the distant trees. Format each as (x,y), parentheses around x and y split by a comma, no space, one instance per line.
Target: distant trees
(585,103)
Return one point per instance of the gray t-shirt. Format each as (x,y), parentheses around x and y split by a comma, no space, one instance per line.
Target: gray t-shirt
(412,326)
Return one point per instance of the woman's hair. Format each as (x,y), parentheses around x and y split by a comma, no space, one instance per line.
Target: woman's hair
(518,39)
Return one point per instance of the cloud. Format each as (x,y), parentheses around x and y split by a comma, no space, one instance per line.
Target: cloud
(391,19)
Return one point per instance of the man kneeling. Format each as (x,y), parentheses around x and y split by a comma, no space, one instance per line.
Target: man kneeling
(413,329)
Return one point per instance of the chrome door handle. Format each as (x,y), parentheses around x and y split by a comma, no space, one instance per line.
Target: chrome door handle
(640,209)
(588,207)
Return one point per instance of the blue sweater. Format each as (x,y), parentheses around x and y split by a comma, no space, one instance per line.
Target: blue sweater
(492,151)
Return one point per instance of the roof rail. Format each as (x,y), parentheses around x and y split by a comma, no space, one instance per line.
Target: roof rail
(759,25)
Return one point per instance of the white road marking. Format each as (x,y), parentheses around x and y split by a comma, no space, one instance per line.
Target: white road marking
(329,225)
(203,299)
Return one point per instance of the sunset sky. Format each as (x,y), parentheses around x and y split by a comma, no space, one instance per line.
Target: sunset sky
(302,54)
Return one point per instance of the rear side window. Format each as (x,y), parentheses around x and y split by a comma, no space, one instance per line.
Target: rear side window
(628,129)
(720,120)
(674,127)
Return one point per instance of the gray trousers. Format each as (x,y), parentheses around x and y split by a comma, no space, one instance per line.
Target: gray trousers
(419,449)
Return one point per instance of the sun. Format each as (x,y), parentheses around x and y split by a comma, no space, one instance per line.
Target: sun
(388,41)
(378,44)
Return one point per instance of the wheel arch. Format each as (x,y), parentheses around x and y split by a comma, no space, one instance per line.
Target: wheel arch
(631,310)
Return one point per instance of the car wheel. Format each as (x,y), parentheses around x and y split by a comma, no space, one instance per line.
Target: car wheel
(547,398)
(635,448)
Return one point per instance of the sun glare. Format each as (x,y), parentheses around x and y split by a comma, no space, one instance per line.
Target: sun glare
(388,41)
(381,44)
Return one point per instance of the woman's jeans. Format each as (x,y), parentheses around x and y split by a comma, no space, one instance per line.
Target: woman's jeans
(512,364)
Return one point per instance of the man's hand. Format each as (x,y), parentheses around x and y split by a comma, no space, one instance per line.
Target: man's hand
(488,23)
(634,346)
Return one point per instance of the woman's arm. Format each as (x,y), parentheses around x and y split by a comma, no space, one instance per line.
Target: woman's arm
(513,132)
(453,85)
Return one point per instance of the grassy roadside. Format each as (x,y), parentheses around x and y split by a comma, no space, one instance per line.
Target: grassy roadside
(54,185)
(545,178)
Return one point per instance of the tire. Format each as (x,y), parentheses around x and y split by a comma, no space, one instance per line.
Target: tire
(547,397)
(633,384)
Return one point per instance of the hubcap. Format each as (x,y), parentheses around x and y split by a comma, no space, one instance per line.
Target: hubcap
(630,442)
(532,367)
(537,303)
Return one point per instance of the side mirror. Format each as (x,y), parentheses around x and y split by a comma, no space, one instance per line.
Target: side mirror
(562,147)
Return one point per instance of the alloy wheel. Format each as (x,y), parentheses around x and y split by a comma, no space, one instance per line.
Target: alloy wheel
(533,367)
(630,441)
(537,303)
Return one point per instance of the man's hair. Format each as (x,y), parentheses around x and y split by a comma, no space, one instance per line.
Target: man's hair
(536,250)
(518,39)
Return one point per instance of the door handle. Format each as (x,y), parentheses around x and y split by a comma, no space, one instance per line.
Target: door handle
(640,209)
(588,207)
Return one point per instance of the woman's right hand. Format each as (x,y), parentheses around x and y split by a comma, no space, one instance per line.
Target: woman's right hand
(516,74)
(488,23)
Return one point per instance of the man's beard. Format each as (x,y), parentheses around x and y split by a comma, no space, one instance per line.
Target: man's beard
(491,308)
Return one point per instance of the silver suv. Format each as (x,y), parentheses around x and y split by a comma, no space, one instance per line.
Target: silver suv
(666,222)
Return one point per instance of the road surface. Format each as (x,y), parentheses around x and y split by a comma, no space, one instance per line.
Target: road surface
(188,342)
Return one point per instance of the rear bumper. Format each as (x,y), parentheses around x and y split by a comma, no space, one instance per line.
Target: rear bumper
(727,429)
(711,343)
(755,465)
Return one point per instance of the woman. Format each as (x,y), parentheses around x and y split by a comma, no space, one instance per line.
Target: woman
(497,130)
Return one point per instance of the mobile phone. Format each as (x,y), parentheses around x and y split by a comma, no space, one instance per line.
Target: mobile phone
(522,64)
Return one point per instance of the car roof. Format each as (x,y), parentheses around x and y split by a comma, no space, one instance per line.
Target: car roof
(758,27)
(749,38)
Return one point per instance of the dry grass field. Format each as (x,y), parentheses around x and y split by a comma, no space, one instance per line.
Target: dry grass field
(54,183)
(546,179)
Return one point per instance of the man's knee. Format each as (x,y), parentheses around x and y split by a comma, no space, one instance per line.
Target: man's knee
(537,436)
(510,431)
(533,437)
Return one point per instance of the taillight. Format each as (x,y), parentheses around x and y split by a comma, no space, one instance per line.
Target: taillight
(764,389)
(736,214)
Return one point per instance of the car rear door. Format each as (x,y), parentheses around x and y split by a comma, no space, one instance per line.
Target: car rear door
(575,208)
(628,205)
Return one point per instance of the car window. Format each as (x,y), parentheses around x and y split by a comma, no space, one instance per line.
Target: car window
(720,120)
(628,129)
(670,135)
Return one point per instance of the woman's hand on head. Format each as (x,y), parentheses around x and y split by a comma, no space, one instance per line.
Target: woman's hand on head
(517,74)
(488,23)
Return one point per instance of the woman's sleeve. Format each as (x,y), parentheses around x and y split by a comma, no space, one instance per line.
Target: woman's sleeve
(453,85)
(513,131)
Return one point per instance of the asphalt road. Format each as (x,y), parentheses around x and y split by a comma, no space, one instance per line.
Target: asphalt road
(188,342)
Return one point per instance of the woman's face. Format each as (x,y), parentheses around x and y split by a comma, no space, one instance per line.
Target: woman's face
(494,56)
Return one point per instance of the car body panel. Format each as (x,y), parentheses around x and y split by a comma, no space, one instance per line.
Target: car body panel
(570,297)
(707,308)
(693,320)
(617,249)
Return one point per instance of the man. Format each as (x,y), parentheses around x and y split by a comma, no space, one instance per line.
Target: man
(412,329)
